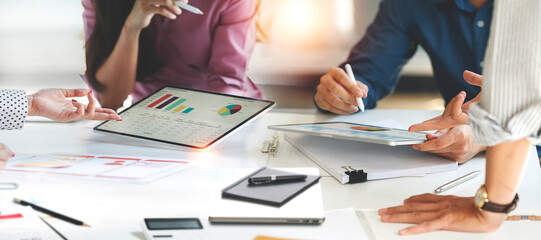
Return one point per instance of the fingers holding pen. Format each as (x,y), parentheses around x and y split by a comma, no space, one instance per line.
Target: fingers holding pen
(342,78)
(328,101)
(166,8)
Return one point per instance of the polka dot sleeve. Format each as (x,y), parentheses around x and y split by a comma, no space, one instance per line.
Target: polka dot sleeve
(13,108)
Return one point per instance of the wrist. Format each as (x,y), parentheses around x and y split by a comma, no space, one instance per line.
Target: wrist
(499,194)
(493,220)
(131,31)
(30,99)
(481,147)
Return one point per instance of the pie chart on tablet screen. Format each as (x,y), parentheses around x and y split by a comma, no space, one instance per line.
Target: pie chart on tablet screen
(229,110)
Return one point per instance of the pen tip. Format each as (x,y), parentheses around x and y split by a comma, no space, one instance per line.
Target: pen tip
(85,225)
(16,200)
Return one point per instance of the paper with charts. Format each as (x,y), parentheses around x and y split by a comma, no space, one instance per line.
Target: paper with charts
(100,167)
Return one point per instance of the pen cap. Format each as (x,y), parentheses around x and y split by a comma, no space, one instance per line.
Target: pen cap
(19,201)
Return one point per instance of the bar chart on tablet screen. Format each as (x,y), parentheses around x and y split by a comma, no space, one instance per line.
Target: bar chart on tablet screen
(179,115)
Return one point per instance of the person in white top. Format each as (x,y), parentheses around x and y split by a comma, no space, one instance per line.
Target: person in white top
(15,105)
(507,120)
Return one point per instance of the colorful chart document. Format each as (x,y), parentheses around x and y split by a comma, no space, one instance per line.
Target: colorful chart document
(104,167)
(189,118)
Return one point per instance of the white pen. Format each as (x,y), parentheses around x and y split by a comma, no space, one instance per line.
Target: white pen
(189,7)
(457,182)
(349,71)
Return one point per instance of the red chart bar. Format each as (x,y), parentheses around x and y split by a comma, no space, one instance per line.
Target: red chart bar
(159,100)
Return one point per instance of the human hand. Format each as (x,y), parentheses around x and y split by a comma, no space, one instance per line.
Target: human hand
(456,112)
(476,80)
(143,11)
(5,154)
(52,103)
(454,143)
(434,212)
(336,92)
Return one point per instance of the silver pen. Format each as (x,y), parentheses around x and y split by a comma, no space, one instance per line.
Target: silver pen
(190,8)
(457,182)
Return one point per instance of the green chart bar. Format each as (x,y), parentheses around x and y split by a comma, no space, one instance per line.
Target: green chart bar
(175,104)
(188,110)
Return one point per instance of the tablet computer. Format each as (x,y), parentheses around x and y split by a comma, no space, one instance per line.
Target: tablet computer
(191,119)
(356,132)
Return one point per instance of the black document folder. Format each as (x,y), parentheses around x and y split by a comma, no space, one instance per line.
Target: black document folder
(275,194)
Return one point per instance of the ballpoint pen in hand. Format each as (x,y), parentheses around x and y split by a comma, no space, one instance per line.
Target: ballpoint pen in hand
(457,182)
(349,71)
(189,7)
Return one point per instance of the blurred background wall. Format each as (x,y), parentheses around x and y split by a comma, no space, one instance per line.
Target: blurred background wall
(41,45)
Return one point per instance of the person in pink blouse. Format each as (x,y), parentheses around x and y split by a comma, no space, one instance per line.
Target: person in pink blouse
(136,47)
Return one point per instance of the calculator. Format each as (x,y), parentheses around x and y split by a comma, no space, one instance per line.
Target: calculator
(172,228)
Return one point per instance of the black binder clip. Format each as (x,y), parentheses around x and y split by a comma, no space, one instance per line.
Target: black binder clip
(355,176)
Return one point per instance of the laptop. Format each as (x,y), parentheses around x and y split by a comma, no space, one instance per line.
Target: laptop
(305,208)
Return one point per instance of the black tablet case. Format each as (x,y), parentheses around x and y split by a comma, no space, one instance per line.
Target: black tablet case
(276,194)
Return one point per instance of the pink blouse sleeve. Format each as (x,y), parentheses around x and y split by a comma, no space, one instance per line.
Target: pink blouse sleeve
(233,44)
(89,18)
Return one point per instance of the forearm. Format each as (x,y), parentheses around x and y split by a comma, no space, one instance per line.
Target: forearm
(504,167)
(118,72)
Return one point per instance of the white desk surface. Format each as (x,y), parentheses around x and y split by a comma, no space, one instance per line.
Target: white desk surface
(115,209)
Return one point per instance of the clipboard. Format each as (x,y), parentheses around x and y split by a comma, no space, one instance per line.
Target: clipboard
(355,162)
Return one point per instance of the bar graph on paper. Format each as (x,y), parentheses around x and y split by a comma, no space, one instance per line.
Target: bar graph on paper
(171,103)
(96,167)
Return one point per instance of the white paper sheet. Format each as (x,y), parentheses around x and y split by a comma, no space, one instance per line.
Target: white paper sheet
(104,167)
(29,226)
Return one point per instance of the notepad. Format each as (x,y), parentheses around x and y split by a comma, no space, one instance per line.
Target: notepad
(352,161)
(269,194)
(304,208)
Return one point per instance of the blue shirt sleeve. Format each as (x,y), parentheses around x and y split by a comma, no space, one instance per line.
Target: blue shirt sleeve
(386,47)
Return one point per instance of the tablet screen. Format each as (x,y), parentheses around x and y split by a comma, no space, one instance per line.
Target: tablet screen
(356,132)
(186,117)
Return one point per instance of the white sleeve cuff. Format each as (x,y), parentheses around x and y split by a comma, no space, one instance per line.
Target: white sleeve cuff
(490,131)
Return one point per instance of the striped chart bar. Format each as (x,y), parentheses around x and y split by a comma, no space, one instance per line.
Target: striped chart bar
(179,109)
(159,101)
(175,104)
(167,102)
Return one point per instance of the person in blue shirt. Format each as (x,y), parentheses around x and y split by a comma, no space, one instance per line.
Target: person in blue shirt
(454,33)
